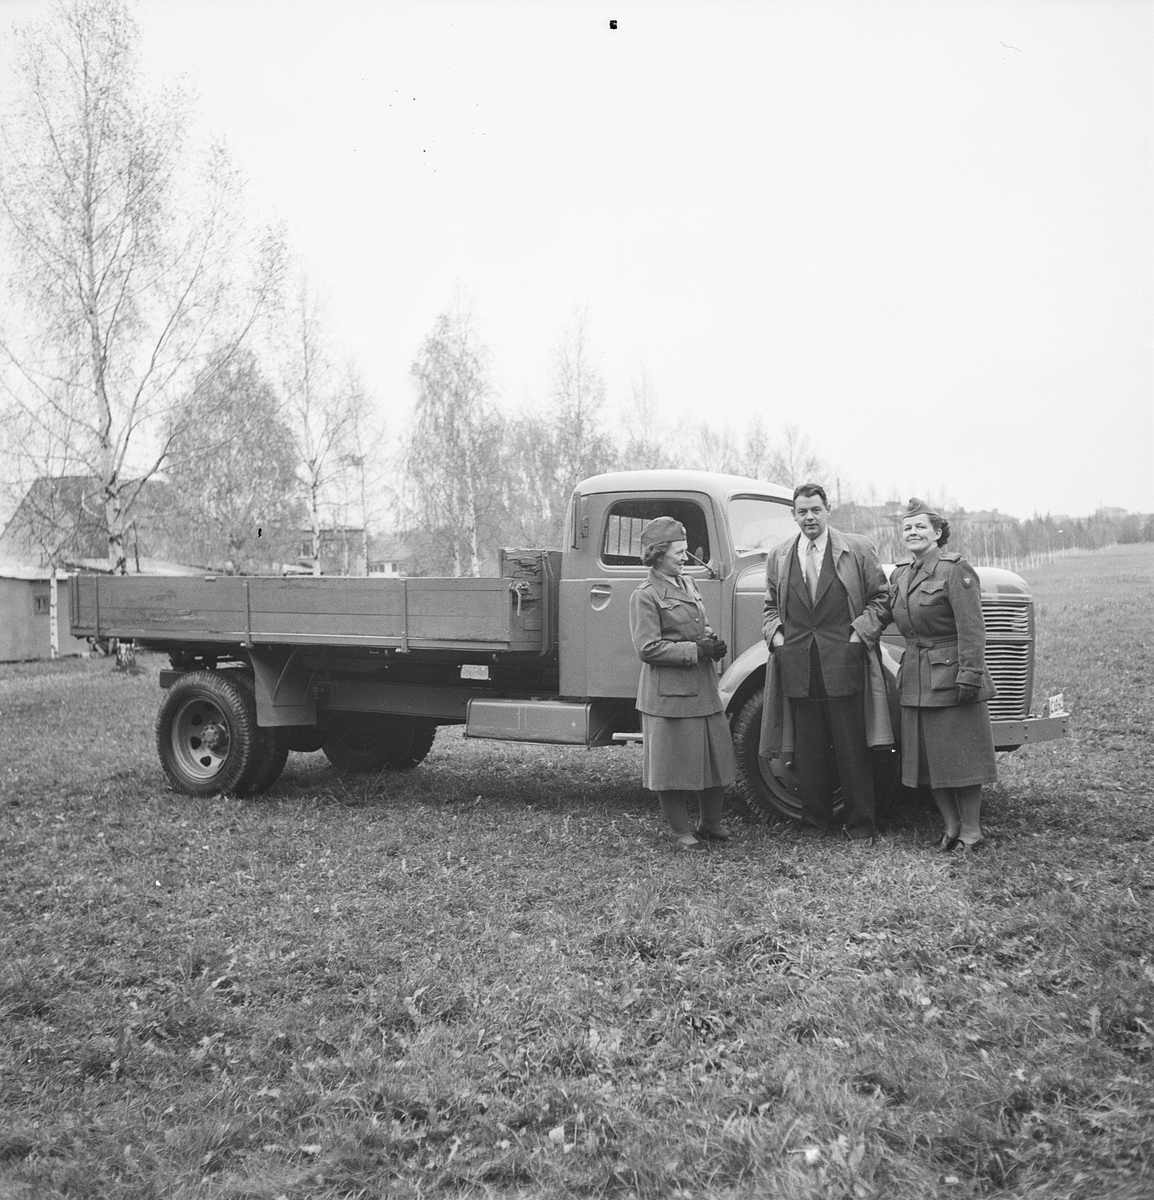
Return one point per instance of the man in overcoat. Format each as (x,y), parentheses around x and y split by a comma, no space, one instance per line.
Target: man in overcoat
(825,606)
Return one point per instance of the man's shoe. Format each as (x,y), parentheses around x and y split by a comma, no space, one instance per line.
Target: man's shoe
(711,835)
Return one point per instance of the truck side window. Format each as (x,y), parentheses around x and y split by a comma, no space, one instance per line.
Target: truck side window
(622,544)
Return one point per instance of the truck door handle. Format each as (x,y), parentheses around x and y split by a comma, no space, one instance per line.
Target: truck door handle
(599,595)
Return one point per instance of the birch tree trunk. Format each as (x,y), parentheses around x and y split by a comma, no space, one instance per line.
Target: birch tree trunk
(126,275)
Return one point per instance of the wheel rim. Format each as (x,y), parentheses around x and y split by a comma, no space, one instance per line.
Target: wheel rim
(783,783)
(201,739)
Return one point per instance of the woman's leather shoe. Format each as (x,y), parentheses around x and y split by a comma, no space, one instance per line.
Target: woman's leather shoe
(710,835)
(688,842)
(972,847)
(947,843)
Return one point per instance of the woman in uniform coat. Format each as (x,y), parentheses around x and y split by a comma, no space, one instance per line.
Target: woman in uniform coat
(943,683)
(688,748)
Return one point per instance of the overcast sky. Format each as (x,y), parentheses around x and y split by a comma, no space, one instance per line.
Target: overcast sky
(919,231)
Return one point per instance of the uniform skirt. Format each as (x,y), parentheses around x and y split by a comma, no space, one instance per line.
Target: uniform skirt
(687,754)
(948,747)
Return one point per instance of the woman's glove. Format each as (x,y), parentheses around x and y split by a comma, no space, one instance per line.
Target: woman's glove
(710,648)
(967,693)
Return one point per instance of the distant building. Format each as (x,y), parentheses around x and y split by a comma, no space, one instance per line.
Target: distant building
(60,522)
(26,616)
(344,551)
(389,556)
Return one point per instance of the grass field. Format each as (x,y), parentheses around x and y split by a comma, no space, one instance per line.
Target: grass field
(492,977)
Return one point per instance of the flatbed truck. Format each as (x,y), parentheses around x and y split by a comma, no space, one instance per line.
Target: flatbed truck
(365,670)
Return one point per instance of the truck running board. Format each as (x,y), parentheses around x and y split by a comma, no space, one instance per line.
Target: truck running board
(561,722)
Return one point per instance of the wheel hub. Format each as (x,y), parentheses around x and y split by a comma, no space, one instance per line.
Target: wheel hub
(201,740)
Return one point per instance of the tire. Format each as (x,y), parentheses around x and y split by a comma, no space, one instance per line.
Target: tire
(365,743)
(769,791)
(206,733)
(412,745)
(271,752)
(271,758)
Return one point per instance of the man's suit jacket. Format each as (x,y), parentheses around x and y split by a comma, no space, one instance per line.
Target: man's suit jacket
(855,562)
(856,565)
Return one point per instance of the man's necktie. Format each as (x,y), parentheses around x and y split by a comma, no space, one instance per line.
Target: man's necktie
(811,571)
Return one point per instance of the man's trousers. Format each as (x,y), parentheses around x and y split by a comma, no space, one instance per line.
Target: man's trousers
(831,748)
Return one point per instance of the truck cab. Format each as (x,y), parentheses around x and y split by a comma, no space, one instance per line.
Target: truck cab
(730,523)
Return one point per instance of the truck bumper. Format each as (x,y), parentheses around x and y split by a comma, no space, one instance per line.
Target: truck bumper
(1012,735)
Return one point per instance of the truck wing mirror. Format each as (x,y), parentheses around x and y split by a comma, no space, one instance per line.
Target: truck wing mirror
(697,559)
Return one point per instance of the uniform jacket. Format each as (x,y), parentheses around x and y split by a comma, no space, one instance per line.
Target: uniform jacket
(939,613)
(856,564)
(664,622)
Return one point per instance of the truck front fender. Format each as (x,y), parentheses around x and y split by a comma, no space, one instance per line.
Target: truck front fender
(749,662)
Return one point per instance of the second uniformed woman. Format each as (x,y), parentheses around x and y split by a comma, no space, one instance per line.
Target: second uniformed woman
(687,747)
(943,683)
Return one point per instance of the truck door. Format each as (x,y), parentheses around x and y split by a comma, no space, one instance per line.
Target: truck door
(597,655)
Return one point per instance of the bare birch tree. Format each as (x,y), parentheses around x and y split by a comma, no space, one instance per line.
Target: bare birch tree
(582,446)
(755,454)
(328,412)
(451,457)
(121,283)
(645,447)
(793,460)
(233,480)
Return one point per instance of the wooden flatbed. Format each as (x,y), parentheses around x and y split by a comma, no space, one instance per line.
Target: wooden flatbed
(509,614)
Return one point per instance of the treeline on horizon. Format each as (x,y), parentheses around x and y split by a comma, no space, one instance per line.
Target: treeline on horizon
(466,478)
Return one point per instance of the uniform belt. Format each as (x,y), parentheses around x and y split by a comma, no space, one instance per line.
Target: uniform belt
(929,643)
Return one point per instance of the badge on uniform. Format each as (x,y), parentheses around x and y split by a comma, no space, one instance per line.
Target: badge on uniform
(966,581)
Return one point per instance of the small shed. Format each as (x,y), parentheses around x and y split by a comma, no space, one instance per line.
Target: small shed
(26,615)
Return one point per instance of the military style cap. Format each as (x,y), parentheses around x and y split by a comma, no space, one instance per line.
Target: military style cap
(661,529)
(916,507)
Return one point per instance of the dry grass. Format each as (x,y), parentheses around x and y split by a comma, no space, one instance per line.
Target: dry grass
(491,977)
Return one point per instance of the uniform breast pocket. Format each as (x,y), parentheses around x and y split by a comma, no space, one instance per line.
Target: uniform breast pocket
(674,681)
(933,593)
(943,669)
(676,617)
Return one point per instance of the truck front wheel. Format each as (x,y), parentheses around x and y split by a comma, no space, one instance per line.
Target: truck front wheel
(206,734)
(768,789)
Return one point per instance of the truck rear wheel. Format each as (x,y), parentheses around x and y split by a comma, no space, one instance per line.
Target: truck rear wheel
(362,743)
(412,745)
(206,733)
(768,789)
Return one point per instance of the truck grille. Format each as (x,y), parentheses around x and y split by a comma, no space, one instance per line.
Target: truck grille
(1003,618)
(1008,645)
(1009,664)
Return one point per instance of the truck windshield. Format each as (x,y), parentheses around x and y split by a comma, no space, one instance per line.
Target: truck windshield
(759,522)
